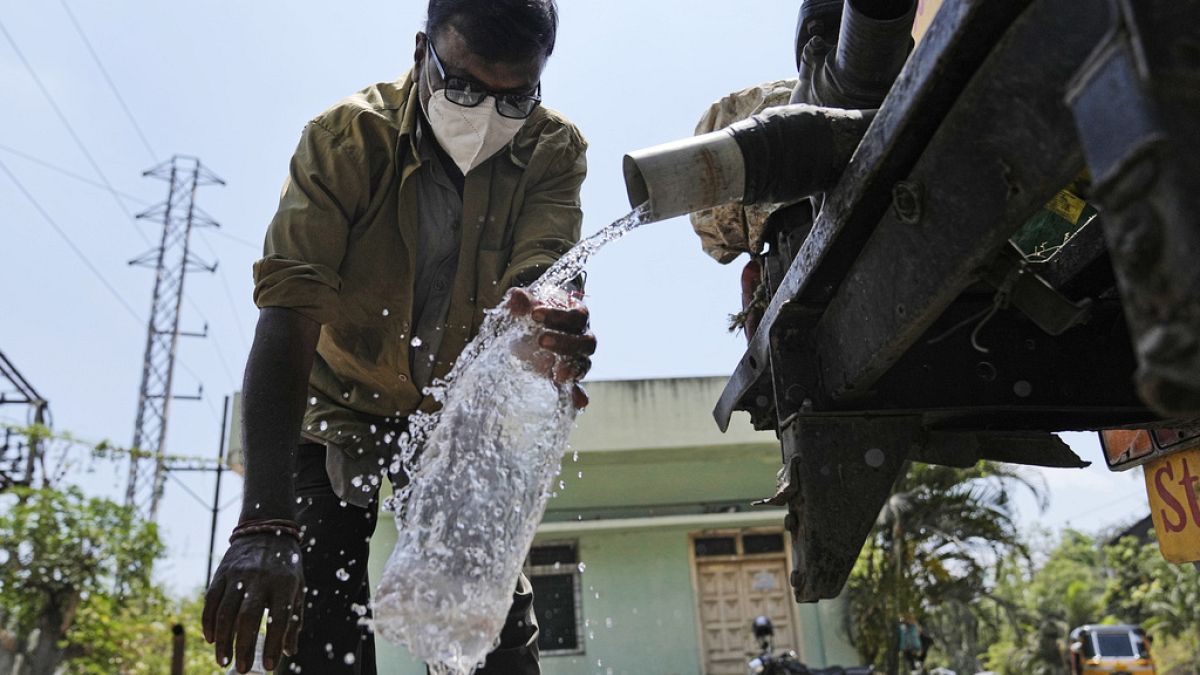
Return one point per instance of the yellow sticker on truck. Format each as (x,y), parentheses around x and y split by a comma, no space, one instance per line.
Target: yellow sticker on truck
(1173,484)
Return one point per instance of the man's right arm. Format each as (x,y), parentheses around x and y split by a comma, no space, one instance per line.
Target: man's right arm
(263,571)
(273,393)
(296,287)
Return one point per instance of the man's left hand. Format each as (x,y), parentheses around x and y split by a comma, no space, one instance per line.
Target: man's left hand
(564,333)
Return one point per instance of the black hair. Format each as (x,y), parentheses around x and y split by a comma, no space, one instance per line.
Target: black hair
(498,30)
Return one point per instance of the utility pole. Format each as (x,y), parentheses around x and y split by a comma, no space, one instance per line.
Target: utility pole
(18,457)
(171,261)
(216,504)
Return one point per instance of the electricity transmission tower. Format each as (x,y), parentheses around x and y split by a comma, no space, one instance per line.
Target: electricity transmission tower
(18,454)
(171,261)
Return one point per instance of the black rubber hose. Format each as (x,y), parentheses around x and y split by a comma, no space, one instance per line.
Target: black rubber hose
(874,41)
(797,151)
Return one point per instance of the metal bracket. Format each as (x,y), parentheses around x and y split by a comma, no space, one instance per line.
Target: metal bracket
(1018,285)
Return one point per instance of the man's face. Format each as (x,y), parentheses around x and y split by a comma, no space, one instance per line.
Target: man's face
(458,60)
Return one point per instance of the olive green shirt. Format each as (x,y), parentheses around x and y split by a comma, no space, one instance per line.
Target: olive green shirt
(343,250)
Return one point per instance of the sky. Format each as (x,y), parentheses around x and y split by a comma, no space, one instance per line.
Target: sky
(233,83)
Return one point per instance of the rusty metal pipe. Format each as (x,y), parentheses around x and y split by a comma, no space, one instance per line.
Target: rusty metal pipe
(781,155)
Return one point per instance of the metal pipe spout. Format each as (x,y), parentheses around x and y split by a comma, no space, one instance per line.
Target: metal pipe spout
(782,155)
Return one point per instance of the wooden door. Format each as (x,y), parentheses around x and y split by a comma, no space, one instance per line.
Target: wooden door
(731,593)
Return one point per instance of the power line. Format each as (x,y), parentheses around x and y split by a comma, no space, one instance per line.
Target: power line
(237,318)
(233,308)
(70,243)
(70,174)
(91,267)
(224,281)
(1111,503)
(62,233)
(239,240)
(111,85)
(192,493)
(215,343)
(71,130)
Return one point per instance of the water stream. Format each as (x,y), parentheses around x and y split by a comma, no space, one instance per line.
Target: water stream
(481,470)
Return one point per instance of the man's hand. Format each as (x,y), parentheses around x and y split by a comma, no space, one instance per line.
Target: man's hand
(565,342)
(259,572)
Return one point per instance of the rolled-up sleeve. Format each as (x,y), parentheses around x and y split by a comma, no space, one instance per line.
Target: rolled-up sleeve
(325,190)
(551,218)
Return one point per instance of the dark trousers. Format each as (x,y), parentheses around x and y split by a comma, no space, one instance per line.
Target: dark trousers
(334,638)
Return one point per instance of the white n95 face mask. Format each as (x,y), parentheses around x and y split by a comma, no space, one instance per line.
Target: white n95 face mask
(469,135)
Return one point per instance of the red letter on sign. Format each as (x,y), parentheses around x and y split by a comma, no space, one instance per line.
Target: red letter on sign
(1165,495)
(1188,483)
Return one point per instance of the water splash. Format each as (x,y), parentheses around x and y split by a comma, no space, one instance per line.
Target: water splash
(481,471)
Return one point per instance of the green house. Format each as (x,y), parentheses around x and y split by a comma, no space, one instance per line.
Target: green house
(650,559)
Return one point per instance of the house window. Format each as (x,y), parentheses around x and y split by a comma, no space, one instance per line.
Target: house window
(713,546)
(553,570)
(754,544)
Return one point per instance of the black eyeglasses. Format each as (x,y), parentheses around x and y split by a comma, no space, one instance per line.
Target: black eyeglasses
(470,94)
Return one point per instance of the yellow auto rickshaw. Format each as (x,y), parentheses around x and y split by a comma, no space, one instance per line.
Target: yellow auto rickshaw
(1110,650)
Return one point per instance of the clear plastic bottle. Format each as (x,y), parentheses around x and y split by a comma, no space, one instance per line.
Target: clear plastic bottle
(258,668)
(477,494)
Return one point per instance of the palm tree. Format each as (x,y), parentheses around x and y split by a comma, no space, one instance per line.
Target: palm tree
(933,553)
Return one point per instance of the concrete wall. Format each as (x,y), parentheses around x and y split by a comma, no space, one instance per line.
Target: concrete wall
(638,604)
(667,413)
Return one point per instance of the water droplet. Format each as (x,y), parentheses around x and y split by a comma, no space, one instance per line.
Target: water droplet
(608,622)
(386,312)
(312,401)
(324,425)
(582,567)
(416,342)
(295,558)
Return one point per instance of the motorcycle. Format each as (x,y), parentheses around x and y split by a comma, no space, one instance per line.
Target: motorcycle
(767,662)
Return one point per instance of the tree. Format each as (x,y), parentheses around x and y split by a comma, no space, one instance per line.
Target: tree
(932,553)
(63,554)
(76,578)
(1045,604)
(1162,598)
(1082,582)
